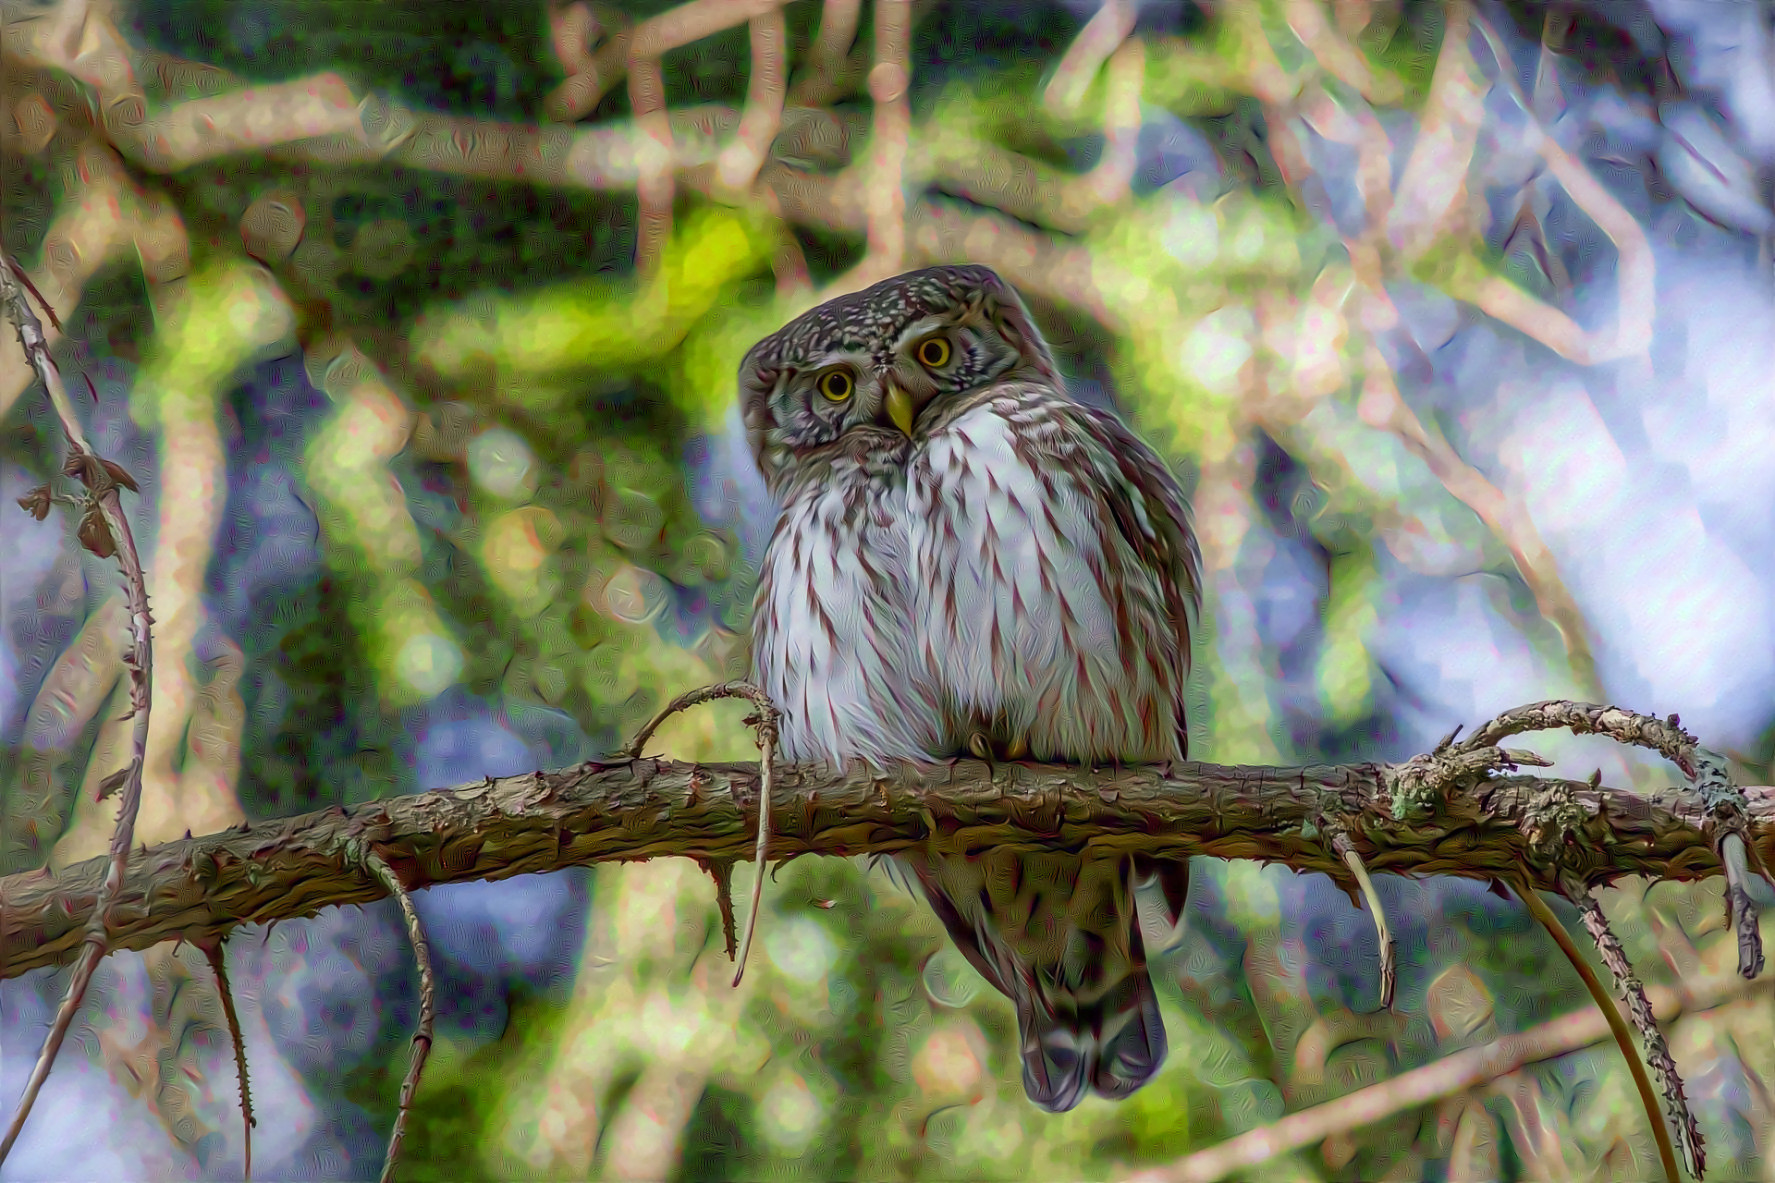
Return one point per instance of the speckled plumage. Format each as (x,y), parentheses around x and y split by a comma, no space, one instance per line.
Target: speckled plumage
(968,560)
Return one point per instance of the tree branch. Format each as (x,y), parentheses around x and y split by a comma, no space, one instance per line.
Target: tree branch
(104,530)
(376,866)
(1639,1010)
(1617,1028)
(216,954)
(291,867)
(1454,1074)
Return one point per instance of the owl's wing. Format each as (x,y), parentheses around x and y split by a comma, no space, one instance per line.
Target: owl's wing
(1149,511)
(1055,577)
(1153,517)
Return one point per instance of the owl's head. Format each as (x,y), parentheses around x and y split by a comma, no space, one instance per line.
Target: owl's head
(862,372)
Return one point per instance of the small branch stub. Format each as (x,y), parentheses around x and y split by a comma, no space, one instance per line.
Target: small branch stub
(721,871)
(1340,842)
(1740,908)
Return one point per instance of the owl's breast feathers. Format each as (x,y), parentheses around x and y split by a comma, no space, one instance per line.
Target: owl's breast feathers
(830,643)
(1055,579)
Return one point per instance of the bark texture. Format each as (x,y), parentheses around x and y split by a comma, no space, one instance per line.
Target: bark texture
(1503,827)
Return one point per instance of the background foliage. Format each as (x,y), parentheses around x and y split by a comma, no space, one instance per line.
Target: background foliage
(1469,368)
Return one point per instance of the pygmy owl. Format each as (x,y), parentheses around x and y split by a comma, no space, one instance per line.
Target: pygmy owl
(968,560)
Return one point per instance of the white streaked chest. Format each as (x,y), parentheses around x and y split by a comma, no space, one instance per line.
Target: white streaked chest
(831,624)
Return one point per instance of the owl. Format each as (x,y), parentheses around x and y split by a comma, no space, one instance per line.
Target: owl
(968,561)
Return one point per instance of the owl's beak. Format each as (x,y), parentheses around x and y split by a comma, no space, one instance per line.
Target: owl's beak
(898,405)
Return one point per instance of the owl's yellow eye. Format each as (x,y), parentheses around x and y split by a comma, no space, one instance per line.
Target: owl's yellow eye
(837,385)
(934,351)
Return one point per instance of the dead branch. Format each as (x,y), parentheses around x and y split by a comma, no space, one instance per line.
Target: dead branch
(216,954)
(1444,1078)
(291,867)
(1639,1010)
(105,531)
(1664,736)
(1741,911)
(1617,1026)
(1707,774)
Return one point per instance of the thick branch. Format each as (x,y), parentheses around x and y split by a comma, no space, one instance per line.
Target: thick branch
(296,866)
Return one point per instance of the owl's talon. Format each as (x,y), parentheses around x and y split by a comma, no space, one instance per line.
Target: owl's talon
(980,747)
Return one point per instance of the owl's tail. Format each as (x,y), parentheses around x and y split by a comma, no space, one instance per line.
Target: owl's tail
(1073,1039)
(1112,1047)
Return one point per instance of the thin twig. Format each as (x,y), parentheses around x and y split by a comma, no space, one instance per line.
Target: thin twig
(1617,1026)
(378,867)
(1382,407)
(590,73)
(647,95)
(1639,1009)
(1306,20)
(1432,186)
(1664,736)
(1340,842)
(216,954)
(765,721)
(572,30)
(696,698)
(105,530)
(24,277)
(1102,35)
(1740,909)
(767,742)
(1110,180)
(1419,1087)
(830,56)
(653,158)
(1636,301)
(885,195)
(737,166)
